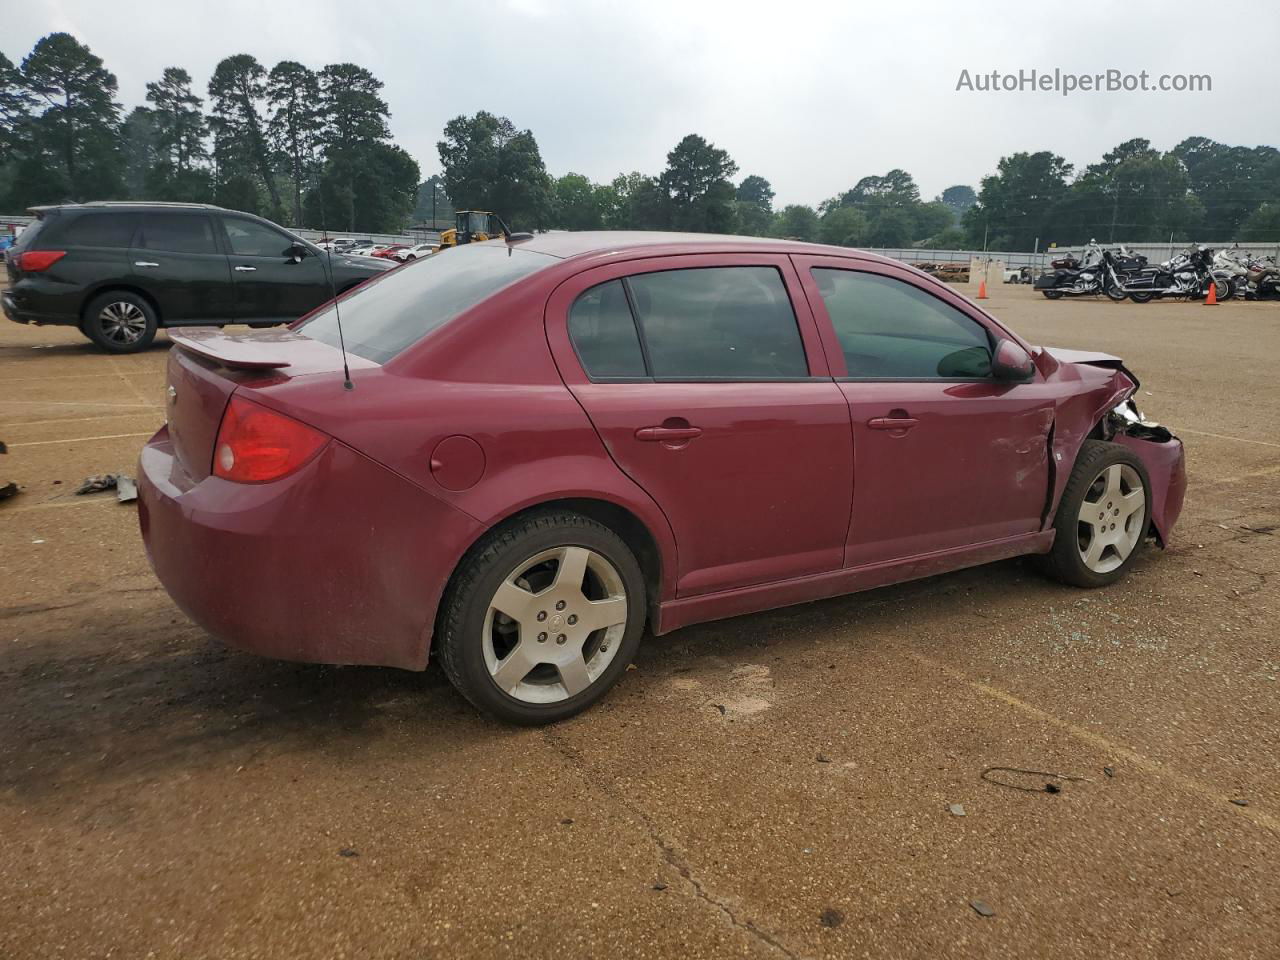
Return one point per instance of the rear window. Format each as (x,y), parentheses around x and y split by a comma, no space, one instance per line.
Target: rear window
(100,230)
(27,237)
(408,303)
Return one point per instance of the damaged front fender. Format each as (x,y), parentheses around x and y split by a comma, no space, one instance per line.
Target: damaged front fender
(1163,456)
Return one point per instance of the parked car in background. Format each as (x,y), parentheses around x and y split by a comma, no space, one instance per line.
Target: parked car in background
(368,250)
(338,245)
(389,251)
(121,271)
(550,441)
(416,251)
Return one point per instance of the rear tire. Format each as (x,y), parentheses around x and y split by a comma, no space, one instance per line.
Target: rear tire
(524,631)
(1141,296)
(1052,294)
(120,322)
(1102,519)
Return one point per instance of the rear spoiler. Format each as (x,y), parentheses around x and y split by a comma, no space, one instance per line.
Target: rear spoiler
(227,350)
(273,349)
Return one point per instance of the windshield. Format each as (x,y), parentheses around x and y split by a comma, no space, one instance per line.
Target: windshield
(402,306)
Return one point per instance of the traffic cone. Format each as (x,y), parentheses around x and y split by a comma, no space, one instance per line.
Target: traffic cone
(1212,298)
(982,290)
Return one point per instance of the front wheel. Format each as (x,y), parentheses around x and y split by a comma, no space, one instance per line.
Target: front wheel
(1052,294)
(1102,518)
(542,618)
(120,322)
(1141,296)
(1115,293)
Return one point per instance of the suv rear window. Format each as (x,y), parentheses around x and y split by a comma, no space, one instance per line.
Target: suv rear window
(100,230)
(403,306)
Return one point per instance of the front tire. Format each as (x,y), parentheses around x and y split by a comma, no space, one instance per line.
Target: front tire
(120,322)
(1141,296)
(1102,519)
(1052,294)
(542,617)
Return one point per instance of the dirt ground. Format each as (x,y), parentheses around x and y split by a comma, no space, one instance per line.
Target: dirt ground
(771,786)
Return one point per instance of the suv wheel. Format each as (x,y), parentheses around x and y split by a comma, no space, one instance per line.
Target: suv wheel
(120,322)
(542,618)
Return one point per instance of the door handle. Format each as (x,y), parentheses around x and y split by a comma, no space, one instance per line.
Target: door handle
(243,269)
(668,434)
(145,263)
(892,423)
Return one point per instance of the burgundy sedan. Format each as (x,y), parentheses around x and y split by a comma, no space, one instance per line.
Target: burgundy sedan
(547,443)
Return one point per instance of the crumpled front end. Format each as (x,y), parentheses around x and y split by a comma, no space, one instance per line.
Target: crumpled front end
(1163,456)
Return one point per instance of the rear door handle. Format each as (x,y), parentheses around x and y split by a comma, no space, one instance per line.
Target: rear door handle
(668,434)
(892,423)
(243,269)
(145,263)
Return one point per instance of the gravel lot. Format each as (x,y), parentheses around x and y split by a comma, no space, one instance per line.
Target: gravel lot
(771,786)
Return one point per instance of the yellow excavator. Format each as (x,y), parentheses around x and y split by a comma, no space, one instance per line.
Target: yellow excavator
(472,226)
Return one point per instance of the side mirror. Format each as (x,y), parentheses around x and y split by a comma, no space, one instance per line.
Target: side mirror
(1011,363)
(296,252)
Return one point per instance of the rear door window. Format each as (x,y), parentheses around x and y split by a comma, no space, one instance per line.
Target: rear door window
(718,323)
(604,333)
(891,330)
(178,233)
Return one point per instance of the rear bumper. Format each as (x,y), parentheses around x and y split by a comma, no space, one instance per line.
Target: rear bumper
(20,306)
(341,562)
(1166,464)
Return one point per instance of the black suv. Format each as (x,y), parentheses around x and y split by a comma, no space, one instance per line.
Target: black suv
(119,271)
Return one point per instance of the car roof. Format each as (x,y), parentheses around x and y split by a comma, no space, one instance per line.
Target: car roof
(572,244)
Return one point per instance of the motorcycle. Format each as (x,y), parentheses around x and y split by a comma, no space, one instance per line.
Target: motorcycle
(1262,279)
(1188,275)
(1097,274)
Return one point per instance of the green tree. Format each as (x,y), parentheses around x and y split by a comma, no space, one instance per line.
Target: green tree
(959,198)
(890,227)
(490,165)
(1263,224)
(15,102)
(843,226)
(1019,202)
(696,181)
(72,145)
(293,94)
(1230,182)
(434,205)
(929,219)
(238,90)
(896,188)
(177,122)
(637,202)
(370,190)
(796,222)
(755,205)
(141,153)
(579,204)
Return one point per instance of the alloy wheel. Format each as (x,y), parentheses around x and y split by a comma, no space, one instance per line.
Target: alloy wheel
(1111,518)
(122,322)
(554,624)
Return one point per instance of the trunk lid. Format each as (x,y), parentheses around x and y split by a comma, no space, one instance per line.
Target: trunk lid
(206,366)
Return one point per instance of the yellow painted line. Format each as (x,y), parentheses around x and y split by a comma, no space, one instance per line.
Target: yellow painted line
(77,502)
(1100,742)
(109,436)
(106,416)
(85,403)
(1223,436)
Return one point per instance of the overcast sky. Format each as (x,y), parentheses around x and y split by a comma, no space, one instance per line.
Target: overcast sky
(811,96)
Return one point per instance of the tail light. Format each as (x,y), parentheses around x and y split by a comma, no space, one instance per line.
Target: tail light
(37,260)
(258,445)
